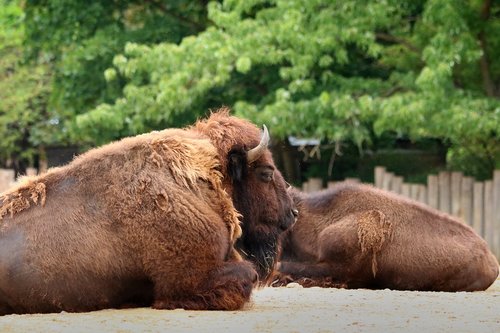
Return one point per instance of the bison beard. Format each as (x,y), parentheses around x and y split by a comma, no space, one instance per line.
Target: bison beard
(148,220)
(259,244)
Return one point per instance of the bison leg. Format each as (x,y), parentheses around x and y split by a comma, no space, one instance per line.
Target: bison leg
(344,253)
(306,274)
(226,288)
(5,309)
(476,275)
(301,269)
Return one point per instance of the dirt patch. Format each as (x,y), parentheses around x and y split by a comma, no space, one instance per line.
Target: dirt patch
(294,309)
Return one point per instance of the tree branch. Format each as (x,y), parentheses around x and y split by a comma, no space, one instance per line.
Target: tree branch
(175,15)
(392,91)
(398,40)
(488,84)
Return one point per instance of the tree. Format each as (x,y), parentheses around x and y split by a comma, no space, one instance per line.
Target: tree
(81,38)
(24,89)
(333,70)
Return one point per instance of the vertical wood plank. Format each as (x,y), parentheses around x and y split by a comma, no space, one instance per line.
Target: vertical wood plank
(331,184)
(444,191)
(31,171)
(315,184)
(465,212)
(456,183)
(432,191)
(387,181)
(478,207)
(495,247)
(6,179)
(43,164)
(396,183)
(379,176)
(488,213)
(422,194)
(405,190)
(414,191)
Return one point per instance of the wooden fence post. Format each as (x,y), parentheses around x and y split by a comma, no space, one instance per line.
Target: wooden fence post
(31,172)
(495,246)
(478,210)
(432,191)
(456,183)
(488,212)
(466,200)
(315,184)
(422,194)
(414,191)
(331,184)
(444,192)
(379,176)
(6,179)
(387,181)
(396,184)
(406,190)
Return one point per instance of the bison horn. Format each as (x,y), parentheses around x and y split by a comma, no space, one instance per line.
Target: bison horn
(254,153)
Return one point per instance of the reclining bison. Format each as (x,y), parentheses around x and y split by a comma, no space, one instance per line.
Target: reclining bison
(148,220)
(357,236)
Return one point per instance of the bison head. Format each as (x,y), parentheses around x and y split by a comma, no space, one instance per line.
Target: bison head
(257,188)
(259,193)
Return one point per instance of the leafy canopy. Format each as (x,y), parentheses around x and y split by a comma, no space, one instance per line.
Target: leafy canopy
(82,37)
(336,70)
(24,90)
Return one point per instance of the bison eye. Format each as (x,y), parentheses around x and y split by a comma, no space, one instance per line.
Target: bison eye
(265,174)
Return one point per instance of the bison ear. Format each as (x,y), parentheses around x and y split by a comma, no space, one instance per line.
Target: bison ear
(237,164)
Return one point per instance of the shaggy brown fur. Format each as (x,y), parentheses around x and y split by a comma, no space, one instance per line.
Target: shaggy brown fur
(357,236)
(148,220)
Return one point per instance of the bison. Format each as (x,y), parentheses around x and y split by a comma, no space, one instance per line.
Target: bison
(357,236)
(153,219)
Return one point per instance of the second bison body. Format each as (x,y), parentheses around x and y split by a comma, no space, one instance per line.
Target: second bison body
(357,236)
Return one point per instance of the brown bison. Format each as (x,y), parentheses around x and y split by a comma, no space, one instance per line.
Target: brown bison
(148,220)
(357,236)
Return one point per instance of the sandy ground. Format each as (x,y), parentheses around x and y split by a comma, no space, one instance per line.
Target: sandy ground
(294,309)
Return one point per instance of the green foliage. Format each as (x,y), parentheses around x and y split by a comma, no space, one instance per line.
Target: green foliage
(333,70)
(24,89)
(351,71)
(82,38)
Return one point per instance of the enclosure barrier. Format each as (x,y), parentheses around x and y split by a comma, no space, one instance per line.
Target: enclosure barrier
(7,179)
(473,202)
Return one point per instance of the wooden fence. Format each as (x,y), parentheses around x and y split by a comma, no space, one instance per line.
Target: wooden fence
(473,202)
(7,179)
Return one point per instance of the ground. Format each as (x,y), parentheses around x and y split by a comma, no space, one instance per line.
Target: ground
(294,309)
